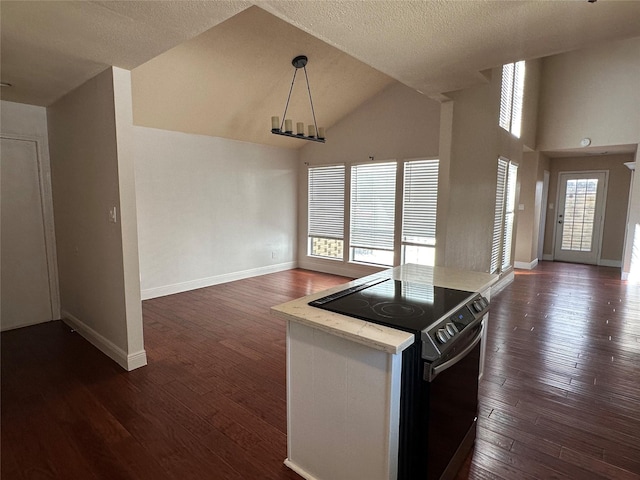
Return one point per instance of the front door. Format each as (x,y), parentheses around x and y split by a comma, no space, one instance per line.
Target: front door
(580,216)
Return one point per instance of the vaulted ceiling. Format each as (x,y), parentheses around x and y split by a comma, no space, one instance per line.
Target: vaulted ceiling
(224,67)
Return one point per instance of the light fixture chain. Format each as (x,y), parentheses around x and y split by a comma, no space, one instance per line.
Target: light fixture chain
(310,100)
(284,115)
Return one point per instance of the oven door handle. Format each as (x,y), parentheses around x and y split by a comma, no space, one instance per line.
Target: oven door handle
(432,372)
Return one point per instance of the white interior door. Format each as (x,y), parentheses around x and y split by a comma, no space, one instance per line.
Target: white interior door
(580,216)
(26,296)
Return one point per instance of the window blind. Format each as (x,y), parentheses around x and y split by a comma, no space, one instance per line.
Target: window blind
(373,205)
(498,217)
(510,212)
(420,201)
(326,201)
(506,96)
(518,96)
(512,97)
(504,216)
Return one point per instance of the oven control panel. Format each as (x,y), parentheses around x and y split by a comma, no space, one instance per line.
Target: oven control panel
(441,335)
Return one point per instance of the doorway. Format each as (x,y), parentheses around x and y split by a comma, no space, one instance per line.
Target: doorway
(29,293)
(580,216)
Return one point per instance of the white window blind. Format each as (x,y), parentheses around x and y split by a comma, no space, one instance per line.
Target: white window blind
(511,97)
(506,96)
(326,202)
(420,202)
(509,215)
(498,218)
(504,216)
(373,205)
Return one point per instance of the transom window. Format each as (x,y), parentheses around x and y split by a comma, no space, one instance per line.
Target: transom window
(511,97)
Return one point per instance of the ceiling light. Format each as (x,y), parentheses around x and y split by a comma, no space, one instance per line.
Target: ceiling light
(286,127)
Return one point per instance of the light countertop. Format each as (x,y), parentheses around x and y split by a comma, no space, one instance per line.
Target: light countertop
(371,334)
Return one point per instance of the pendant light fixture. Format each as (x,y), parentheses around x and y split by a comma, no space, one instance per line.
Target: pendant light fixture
(285,127)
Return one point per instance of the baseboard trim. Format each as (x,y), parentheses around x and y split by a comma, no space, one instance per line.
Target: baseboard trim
(526,266)
(304,474)
(624,276)
(127,361)
(610,263)
(502,283)
(164,290)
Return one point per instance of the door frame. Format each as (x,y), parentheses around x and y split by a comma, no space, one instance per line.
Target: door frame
(604,208)
(46,204)
(543,213)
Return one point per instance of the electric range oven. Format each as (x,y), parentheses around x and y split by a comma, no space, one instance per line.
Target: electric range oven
(439,380)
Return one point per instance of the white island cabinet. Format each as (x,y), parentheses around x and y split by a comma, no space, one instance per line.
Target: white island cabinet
(343,381)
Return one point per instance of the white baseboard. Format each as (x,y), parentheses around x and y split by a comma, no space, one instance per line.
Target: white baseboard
(155,292)
(610,263)
(298,470)
(127,361)
(505,280)
(526,266)
(632,278)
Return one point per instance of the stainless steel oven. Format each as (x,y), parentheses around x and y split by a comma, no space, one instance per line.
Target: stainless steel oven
(439,386)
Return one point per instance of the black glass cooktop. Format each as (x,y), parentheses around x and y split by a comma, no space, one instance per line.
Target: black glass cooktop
(406,306)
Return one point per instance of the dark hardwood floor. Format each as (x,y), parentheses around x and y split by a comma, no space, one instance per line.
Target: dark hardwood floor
(560,398)
(561,393)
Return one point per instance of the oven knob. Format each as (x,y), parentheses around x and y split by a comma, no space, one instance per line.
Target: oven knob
(477,307)
(452,329)
(442,336)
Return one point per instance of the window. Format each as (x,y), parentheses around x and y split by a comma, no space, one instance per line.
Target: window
(326,211)
(373,188)
(419,212)
(579,214)
(511,97)
(504,216)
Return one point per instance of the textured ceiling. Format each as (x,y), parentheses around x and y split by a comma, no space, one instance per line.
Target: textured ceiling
(438,46)
(50,47)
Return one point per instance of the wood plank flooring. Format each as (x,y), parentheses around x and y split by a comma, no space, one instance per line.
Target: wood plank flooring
(561,393)
(560,399)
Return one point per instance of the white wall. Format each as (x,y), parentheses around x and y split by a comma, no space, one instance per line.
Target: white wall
(594,93)
(631,255)
(92,170)
(531,173)
(474,143)
(25,120)
(397,124)
(591,93)
(211,210)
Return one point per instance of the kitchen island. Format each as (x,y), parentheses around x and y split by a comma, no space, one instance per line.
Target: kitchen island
(343,381)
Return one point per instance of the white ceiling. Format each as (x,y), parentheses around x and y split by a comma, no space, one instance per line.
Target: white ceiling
(50,47)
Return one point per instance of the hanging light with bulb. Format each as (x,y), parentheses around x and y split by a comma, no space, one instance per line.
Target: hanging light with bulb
(285,127)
